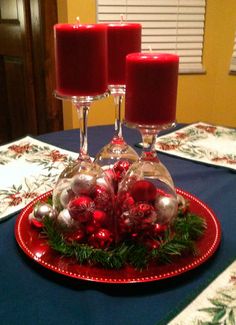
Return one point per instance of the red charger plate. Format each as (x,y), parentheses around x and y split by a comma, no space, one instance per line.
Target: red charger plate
(38,250)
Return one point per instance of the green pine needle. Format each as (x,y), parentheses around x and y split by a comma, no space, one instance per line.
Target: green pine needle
(176,242)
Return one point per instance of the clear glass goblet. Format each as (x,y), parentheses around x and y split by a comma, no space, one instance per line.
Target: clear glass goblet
(83,196)
(146,200)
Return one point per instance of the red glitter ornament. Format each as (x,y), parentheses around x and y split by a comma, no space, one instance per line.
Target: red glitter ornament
(120,168)
(143,215)
(101,239)
(143,190)
(81,208)
(102,198)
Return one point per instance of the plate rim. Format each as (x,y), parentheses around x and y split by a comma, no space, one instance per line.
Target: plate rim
(119,280)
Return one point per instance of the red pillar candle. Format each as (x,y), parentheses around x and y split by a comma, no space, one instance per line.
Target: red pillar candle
(151,88)
(81,59)
(123,38)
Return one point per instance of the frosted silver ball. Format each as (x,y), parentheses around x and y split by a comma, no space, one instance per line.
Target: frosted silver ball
(83,183)
(66,195)
(64,219)
(166,208)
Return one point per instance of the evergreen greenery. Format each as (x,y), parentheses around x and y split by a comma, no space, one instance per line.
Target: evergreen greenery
(178,240)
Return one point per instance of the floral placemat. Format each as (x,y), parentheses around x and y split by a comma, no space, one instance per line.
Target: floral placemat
(28,168)
(211,144)
(215,305)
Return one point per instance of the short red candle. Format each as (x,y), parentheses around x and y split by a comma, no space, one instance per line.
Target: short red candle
(123,38)
(81,59)
(151,88)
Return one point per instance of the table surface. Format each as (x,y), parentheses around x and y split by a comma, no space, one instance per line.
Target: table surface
(31,294)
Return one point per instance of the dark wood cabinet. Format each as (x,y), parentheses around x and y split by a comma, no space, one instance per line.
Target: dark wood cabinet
(27,76)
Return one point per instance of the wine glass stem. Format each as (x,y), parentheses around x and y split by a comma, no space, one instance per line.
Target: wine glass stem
(118,125)
(82,111)
(149,144)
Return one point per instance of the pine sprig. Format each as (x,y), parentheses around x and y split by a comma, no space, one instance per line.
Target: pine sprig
(176,242)
(190,226)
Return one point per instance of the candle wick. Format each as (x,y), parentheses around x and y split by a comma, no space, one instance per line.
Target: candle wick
(77,19)
(121,18)
(150,48)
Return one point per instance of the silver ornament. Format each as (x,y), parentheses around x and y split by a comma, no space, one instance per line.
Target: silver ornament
(166,208)
(182,203)
(64,219)
(43,210)
(66,196)
(83,183)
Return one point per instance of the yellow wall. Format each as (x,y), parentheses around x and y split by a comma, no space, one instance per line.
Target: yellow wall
(209,97)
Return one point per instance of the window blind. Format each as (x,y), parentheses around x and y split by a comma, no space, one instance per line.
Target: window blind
(233,60)
(173,26)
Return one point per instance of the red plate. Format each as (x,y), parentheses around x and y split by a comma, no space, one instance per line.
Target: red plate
(38,250)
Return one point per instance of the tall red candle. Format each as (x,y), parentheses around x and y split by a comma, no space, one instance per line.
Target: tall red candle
(81,59)
(151,88)
(123,38)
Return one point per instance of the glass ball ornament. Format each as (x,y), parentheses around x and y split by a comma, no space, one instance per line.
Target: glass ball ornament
(146,201)
(84,199)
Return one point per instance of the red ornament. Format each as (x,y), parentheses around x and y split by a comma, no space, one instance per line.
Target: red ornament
(128,203)
(92,227)
(111,175)
(120,168)
(102,198)
(143,190)
(81,208)
(159,230)
(101,239)
(37,224)
(143,215)
(77,236)
(100,217)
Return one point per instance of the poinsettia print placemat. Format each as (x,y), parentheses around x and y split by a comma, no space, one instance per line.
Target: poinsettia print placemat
(215,305)
(215,145)
(28,168)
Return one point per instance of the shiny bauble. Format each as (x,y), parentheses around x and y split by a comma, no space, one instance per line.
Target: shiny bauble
(83,183)
(166,207)
(183,204)
(120,168)
(146,200)
(84,199)
(143,190)
(81,208)
(102,198)
(77,236)
(101,239)
(64,220)
(40,212)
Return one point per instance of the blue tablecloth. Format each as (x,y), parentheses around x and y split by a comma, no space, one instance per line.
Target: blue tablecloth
(30,294)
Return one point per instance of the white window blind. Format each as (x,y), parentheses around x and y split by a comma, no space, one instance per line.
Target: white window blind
(174,26)
(233,60)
